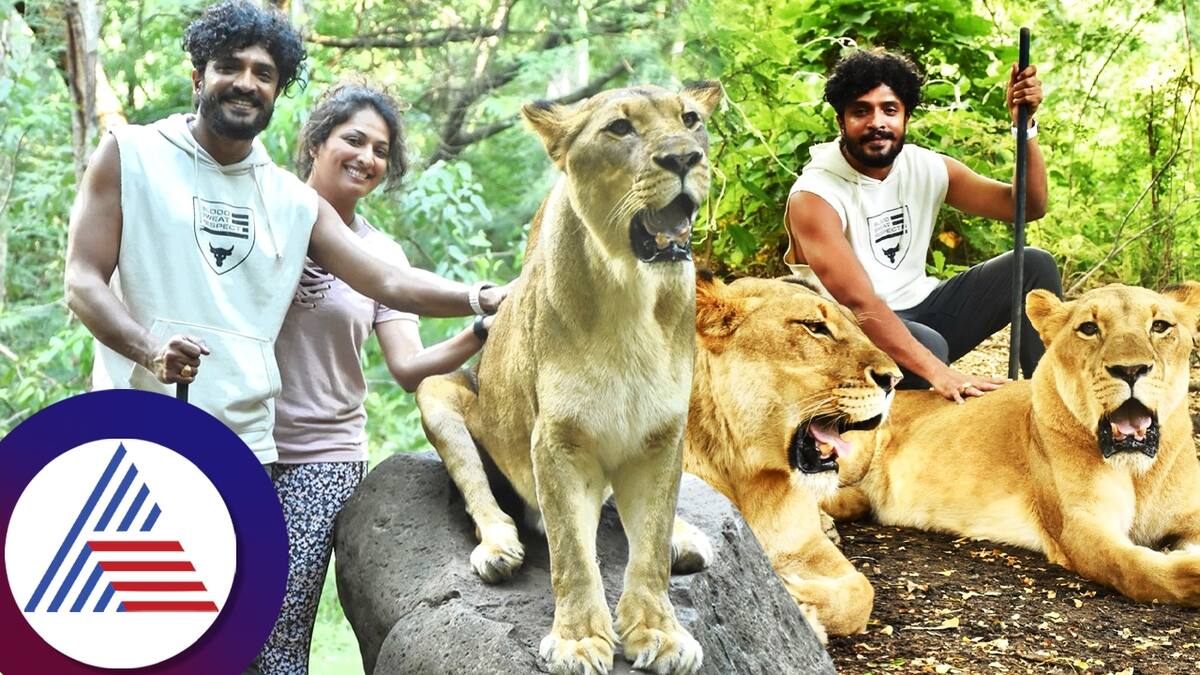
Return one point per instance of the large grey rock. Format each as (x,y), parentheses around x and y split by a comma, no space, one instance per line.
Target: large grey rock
(416,606)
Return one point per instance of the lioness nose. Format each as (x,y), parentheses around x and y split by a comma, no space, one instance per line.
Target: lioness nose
(680,163)
(1129,373)
(885,380)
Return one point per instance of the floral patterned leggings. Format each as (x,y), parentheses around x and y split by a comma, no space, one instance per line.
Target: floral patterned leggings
(311,496)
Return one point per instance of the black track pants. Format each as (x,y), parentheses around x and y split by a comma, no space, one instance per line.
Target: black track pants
(969,307)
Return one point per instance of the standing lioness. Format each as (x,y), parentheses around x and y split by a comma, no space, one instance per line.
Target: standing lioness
(585,380)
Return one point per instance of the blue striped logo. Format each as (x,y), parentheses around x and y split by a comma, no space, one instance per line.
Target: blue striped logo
(99,517)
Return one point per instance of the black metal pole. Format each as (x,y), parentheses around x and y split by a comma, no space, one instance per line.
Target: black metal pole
(1018,297)
(181,391)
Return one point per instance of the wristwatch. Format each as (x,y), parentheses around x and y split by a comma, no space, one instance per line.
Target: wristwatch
(480,330)
(1030,132)
(473,296)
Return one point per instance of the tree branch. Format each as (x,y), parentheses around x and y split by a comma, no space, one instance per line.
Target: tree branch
(592,88)
(489,75)
(412,39)
(1116,248)
(12,177)
(452,147)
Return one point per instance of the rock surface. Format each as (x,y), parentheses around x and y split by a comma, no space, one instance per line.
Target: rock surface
(417,607)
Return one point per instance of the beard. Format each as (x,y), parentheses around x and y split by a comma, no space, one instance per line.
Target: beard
(222,124)
(857,148)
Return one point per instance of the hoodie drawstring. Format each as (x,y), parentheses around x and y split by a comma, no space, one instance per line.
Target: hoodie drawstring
(266,211)
(252,164)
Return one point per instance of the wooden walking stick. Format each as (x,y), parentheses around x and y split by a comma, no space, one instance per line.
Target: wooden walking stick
(1018,298)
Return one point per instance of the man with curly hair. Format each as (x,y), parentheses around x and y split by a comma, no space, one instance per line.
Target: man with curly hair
(209,236)
(861,216)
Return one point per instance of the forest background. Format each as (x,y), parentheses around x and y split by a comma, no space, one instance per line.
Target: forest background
(1118,130)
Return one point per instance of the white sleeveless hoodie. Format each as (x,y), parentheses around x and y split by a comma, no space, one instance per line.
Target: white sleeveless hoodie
(213,251)
(888,222)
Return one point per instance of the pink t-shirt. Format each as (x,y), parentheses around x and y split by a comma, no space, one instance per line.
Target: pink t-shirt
(319,415)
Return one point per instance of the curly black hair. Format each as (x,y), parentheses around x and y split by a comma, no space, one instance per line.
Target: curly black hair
(234,24)
(338,105)
(864,70)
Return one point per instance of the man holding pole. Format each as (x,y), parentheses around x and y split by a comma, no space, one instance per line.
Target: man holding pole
(861,215)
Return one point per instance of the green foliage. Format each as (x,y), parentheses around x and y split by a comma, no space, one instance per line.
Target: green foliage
(772,61)
(445,224)
(1117,127)
(1123,142)
(34,374)
(1118,130)
(37,176)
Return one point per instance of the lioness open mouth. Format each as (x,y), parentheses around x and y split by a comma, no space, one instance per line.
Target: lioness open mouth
(1130,428)
(664,235)
(818,442)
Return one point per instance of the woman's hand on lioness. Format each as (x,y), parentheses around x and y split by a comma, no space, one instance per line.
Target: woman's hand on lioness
(956,386)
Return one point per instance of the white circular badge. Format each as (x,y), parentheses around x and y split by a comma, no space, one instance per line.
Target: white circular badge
(120,553)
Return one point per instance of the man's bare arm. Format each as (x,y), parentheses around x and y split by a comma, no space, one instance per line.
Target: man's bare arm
(93,245)
(974,194)
(405,289)
(817,228)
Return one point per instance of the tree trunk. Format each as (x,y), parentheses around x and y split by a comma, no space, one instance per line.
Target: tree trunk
(81,20)
(97,107)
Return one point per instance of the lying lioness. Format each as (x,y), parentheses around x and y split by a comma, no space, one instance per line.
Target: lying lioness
(780,373)
(1092,461)
(585,379)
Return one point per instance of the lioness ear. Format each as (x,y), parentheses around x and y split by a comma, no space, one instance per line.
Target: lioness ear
(707,93)
(549,121)
(1046,312)
(1188,295)
(717,317)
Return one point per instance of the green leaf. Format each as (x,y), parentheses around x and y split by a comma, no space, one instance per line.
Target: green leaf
(742,238)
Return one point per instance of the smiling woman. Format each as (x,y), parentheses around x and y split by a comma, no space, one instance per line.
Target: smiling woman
(353,141)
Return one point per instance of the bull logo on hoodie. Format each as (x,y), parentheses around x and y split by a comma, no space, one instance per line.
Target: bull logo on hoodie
(220,254)
(224,233)
(890,236)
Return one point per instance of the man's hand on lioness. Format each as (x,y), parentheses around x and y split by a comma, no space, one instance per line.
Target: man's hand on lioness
(491,297)
(956,386)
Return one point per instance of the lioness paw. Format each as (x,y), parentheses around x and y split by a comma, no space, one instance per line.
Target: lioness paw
(592,655)
(829,527)
(667,652)
(800,590)
(499,553)
(1186,578)
(810,615)
(690,549)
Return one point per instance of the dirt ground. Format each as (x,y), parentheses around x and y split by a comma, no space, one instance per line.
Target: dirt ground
(951,605)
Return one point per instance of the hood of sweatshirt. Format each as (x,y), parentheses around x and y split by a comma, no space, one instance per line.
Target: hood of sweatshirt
(255,163)
(828,158)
